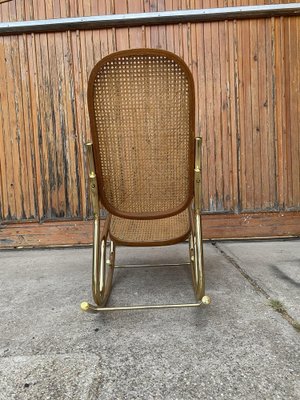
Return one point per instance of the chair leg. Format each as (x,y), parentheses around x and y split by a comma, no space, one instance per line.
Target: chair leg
(196,258)
(196,248)
(101,297)
(101,278)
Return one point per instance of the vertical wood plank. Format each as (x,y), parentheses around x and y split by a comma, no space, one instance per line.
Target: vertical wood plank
(79,90)
(210,112)
(7,198)
(122,34)
(293,65)
(15,207)
(202,110)
(225,106)
(217,127)
(288,78)
(29,182)
(254,171)
(280,124)
(234,124)
(135,34)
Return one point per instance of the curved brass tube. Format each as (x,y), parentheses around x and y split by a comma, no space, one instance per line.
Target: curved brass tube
(192,257)
(102,279)
(196,248)
(196,255)
(198,251)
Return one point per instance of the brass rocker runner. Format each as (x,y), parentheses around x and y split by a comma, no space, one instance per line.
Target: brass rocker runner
(144,164)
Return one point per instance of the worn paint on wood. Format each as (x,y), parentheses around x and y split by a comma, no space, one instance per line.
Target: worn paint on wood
(247,95)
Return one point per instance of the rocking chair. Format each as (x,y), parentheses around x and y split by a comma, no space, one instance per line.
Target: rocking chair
(144,163)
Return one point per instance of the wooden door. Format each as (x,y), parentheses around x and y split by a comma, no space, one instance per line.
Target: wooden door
(248,106)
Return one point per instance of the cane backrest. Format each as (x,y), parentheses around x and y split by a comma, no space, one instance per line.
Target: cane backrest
(141,105)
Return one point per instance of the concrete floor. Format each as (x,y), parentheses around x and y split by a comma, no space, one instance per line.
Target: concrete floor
(236,348)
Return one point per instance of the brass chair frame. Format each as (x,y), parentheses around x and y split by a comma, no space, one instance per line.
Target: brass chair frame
(103,270)
(105,81)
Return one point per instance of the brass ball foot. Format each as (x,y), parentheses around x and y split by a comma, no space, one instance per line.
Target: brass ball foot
(84,306)
(206,300)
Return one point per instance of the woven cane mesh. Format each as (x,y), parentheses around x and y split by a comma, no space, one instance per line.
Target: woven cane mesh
(142,120)
(133,231)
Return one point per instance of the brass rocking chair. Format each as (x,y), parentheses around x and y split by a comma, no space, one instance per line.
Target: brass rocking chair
(144,163)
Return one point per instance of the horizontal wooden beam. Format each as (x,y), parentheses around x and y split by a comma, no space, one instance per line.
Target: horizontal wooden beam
(215,226)
(152,18)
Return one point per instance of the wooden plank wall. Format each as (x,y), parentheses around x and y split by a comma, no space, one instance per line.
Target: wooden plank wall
(248,106)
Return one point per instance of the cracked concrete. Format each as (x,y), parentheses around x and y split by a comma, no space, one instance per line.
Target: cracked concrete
(236,348)
(275,267)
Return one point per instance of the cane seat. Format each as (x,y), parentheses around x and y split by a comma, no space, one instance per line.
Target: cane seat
(154,232)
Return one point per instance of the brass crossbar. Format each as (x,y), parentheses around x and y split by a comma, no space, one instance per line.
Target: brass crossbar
(152,266)
(93,309)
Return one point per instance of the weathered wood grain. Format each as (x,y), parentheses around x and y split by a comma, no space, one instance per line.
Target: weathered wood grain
(247,96)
